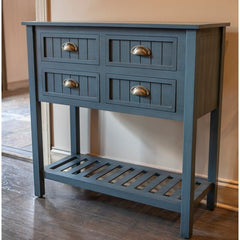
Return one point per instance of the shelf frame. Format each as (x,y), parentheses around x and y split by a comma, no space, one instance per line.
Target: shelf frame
(69,170)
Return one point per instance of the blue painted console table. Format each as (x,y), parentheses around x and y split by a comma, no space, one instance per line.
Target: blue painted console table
(171,71)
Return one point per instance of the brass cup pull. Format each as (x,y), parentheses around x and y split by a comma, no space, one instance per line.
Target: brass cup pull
(139,91)
(69,46)
(140,50)
(70,83)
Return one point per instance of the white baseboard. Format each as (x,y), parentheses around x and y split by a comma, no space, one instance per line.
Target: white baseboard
(227,188)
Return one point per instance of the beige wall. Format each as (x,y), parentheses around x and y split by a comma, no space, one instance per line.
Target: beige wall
(14,12)
(144,140)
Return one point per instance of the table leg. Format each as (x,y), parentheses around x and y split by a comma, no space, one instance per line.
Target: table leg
(75,130)
(36,119)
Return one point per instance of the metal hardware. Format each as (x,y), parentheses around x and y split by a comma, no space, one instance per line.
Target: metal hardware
(70,83)
(69,46)
(140,50)
(139,91)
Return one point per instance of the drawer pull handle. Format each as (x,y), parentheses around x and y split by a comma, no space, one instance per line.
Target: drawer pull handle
(139,91)
(140,50)
(70,83)
(69,46)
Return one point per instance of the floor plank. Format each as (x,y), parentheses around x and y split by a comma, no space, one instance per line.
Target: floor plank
(70,213)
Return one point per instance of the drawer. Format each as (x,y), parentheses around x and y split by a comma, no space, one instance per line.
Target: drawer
(80,86)
(156,52)
(70,47)
(160,93)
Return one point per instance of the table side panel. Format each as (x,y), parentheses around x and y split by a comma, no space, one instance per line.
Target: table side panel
(208,51)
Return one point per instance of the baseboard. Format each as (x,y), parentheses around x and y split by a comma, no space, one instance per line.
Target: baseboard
(12,86)
(16,88)
(16,153)
(227,189)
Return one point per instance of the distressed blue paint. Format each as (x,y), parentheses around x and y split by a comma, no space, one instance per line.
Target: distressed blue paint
(176,75)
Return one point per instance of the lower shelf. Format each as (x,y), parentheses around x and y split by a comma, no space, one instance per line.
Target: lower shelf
(128,181)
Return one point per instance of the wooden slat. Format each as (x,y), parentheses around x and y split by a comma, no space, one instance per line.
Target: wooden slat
(77,168)
(92,49)
(68,164)
(167,95)
(168,186)
(156,93)
(141,179)
(128,177)
(124,90)
(167,53)
(58,83)
(57,48)
(83,49)
(115,89)
(92,87)
(50,82)
(49,47)
(116,174)
(61,162)
(105,171)
(177,193)
(155,182)
(83,86)
(156,53)
(93,168)
(124,51)
(115,56)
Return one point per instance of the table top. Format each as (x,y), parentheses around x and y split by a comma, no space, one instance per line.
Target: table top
(167,25)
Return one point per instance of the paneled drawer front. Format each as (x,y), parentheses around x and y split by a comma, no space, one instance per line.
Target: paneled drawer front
(162,54)
(86,88)
(84,48)
(162,92)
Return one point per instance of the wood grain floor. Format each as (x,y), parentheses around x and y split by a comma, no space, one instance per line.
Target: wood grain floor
(69,213)
(16,125)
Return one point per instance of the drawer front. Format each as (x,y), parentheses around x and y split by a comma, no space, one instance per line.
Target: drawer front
(79,47)
(162,92)
(86,85)
(162,51)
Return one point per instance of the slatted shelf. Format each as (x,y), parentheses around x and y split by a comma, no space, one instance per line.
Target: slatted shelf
(129,181)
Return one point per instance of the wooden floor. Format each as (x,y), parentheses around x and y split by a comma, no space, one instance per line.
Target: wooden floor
(16,126)
(72,213)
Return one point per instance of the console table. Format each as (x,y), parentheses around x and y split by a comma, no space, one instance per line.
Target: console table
(171,71)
